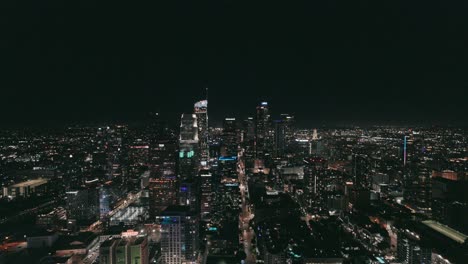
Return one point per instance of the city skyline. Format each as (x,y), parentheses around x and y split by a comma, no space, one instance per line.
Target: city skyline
(224,132)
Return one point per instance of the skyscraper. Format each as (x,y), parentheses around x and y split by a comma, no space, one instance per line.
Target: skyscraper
(179,240)
(313,181)
(201,111)
(262,130)
(248,141)
(138,250)
(107,251)
(163,192)
(230,142)
(206,188)
(283,134)
(361,170)
(124,251)
(188,147)
(410,250)
(83,205)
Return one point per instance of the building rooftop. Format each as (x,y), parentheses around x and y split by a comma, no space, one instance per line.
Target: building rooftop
(139,241)
(34,182)
(446,231)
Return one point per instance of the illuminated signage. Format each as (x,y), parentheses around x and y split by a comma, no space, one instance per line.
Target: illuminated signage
(228,158)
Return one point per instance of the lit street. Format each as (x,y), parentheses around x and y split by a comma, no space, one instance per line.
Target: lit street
(245,215)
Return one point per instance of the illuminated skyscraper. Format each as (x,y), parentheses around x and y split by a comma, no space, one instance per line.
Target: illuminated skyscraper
(188,147)
(361,170)
(163,192)
(179,235)
(206,188)
(201,111)
(230,142)
(262,130)
(248,130)
(248,141)
(411,250)
(314,169)
(283,134)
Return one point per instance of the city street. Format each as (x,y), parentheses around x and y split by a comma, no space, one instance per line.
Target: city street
(245,216)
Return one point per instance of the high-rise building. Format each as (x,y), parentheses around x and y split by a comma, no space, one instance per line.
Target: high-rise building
(121,252)
(248,141)
(188,147)
(206,198)
(163,157)
(450,202)
(107,252)
(361,171)
(179,235)
(283,134)
(248,128)
(410,249)
(188,194)
(138,250)
(83,205)
(188,161)
(280,138)
(230,142)
(162,192)
(201,111)
(262,130)
(129,250)
(314,169)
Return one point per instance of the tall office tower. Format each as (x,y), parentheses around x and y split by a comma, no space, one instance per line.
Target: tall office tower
(314,169)
(113,151)
(206,188)
(283,134)
(163,157)
(410,249)
(107,251)
(248,130)
(423,189)
(226,203)
(230,142)
(201,111)
(262,130)
(361,171)
(138,249)
(83,205)
(163,192)
(289,123)
(280,138)
(450,202)
(248,141)
(124,251)
(179,235)
(188,161)
(188,147)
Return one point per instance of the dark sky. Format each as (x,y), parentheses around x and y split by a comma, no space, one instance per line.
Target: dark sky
(325,61)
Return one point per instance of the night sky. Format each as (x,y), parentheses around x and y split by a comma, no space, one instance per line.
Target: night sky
(326,61)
